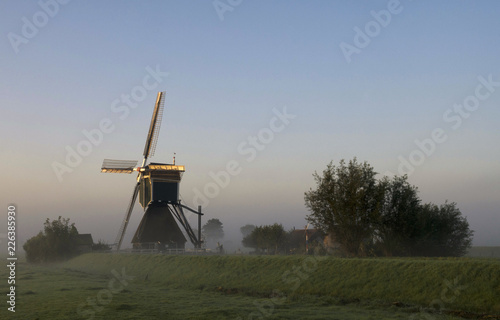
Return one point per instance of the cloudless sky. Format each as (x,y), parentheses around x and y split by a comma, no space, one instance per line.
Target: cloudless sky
(226,80)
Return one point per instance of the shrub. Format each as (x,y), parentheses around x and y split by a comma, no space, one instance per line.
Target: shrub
(58,241)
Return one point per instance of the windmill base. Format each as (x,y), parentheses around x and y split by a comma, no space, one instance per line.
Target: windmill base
(158,229)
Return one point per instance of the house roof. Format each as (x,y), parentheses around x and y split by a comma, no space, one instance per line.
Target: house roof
(85,239)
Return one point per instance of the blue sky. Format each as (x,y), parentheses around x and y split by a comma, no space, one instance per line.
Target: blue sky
(226,80)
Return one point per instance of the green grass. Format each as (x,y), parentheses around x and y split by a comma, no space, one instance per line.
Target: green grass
(474,284)
(239,287)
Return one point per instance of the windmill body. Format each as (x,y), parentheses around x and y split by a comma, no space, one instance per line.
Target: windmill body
(160,183)
(158,190)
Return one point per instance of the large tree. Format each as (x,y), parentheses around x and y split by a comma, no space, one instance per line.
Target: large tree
(247,229)
(346,204)
(58,241)
(213,230)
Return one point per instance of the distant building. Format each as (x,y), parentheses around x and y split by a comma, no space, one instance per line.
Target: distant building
(85,243)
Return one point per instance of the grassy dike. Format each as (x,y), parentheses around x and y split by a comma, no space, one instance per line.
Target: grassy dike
(463,284)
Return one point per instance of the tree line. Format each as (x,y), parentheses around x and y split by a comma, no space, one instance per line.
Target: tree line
(365,216)
(274,239)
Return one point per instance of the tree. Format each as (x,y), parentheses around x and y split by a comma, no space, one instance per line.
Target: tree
(397,228)
(346,204)
(362,213)
(247,229)
(266,238)
(408,228)
(213,230)
(443,231)
(58,241)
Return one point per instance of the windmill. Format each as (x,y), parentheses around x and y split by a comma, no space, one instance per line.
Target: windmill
(158,189)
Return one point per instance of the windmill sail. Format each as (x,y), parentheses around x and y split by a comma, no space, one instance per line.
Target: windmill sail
(118,166)
(123,227)
(154,127)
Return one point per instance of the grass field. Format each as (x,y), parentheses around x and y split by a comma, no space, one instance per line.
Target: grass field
(121,286)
